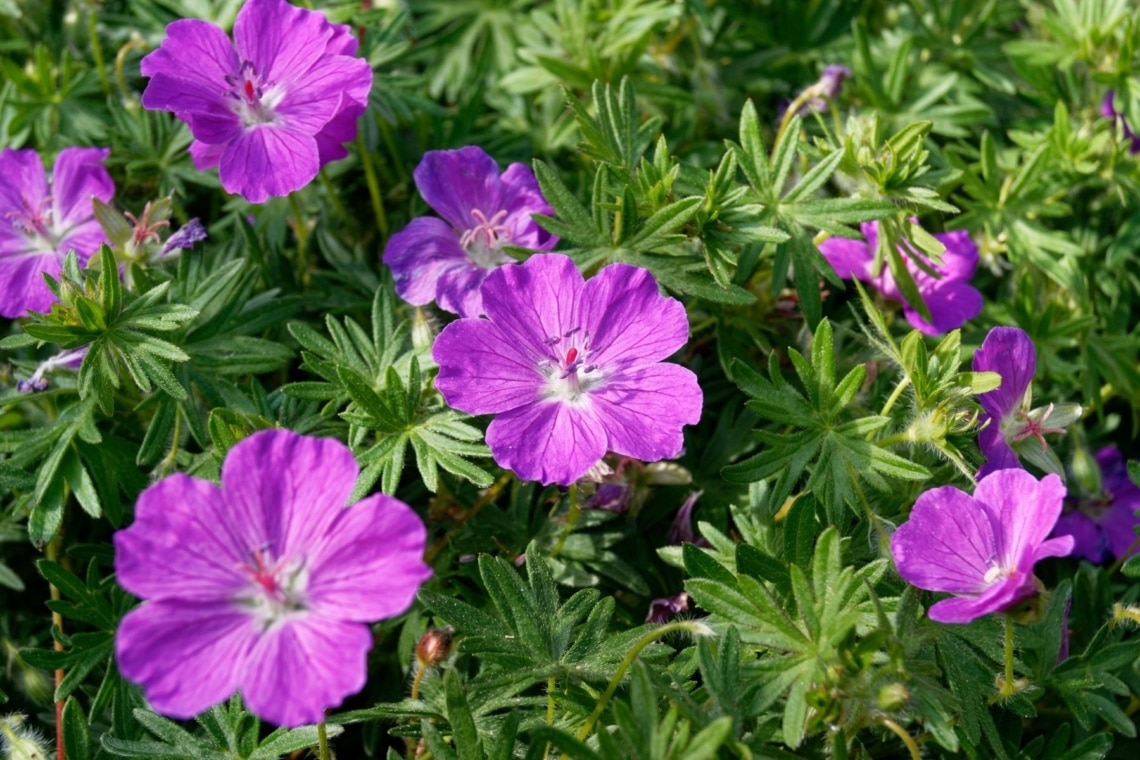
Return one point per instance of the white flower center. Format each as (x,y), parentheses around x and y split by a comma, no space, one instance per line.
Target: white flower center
(277,589)
(997,573)
(252,98)
(568,371)
(484,242)
(34,223)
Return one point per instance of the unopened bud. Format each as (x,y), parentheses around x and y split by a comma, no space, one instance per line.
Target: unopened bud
(892,697)
(19,742)
(434,646)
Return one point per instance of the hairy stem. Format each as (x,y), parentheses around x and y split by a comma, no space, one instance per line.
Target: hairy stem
(901,733)
(323,742)
(373,189)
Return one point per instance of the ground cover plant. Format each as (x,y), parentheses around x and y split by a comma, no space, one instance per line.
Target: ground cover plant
(592,379)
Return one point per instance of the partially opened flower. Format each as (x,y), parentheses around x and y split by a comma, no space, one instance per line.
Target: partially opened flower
(264,585)
(681,531)
(571,369)
(41,220)
(666,608)
(950,297)
(446,260)
(268,109)
(1105,525)
(981,548)
(1108,110)
(1009,351)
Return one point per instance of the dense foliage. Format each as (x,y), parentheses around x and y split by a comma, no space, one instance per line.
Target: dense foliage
(697,140)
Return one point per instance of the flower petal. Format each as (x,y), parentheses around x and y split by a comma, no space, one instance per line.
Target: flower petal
(1009,352)
(268,161)
(183,528)
(84,239)
(370,565)
(281,40)
(948,543)
(206,155)
(187,655)
(481,372)
(194,51)
(851,259)
(997,451)
(420,254)
(22,286)
(453,182)
(460,290)
(1089,540)
(951,303)
(629,322)
(961,256)
(999,596)
(78,176)
(520,198)
(1024,510)
(284,491)
(644,409)
(534,302)
(550,442)
(313,101)
(24,178)
(303,667)
(339,130)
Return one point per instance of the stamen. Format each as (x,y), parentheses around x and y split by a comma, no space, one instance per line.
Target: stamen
(1036,428)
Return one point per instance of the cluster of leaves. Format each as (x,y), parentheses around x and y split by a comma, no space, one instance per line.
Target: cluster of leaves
(661,135)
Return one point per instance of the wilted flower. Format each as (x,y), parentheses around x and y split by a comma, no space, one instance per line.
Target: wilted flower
(264,584)
(663,609)
(1104,525)
(951,299)
(268,109)
(1009,352)
(1108,110)
(67,359)
(187,236)
(681,531)
(41,220)
(570,368)
(827,87)
(981,548)
(446,260)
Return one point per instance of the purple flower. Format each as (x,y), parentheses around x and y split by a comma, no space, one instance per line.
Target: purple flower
(981,548)
(264,584)
(1108,110)
(1105,525)
(69,359)
(41,220)
(571,369)
(1009,352)
(270,108)
(187,236)
(681,531)
(951,299)
(446,260)
(663,609)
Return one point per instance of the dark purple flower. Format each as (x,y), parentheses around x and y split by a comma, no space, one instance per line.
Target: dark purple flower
(571,369)
(981,548)
(1105,525)
(681,531)
(187,236)
(446,260)
(268,109)
(41,220)
(1009,352)
(951,299)
(664,609)
(265,584)
(1108,110)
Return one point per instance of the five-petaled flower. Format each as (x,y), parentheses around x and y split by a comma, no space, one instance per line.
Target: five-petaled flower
(265,584)
(1009,352)
(446,260)
(981,548)
(270,108)
(1105,525)
(571,368)
(41,220)
(950,297)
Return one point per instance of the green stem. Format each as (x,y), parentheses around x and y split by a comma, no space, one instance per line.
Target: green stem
(373,188)
(120,64)
(793,109)
(1008,655)
(907,739)
(644,641)
(301,229)
(323,742)
(334,196)
(97,53)
(571,519)
(1120,560)
(895,394)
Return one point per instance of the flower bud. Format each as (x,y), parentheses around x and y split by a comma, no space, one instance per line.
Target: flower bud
(892,697)
(434,646)
(19,742)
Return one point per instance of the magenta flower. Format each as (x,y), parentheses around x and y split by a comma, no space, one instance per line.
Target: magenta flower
(446,260)
(1009,352)
(41,220)
(664,609)
(270,108)
(264,584)
(1105,525)
(981,548)
(571,369)
(951,299)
